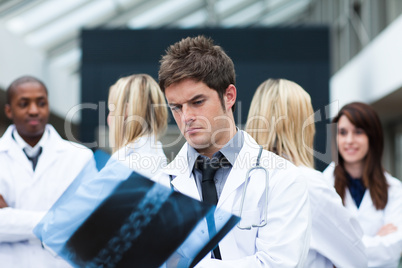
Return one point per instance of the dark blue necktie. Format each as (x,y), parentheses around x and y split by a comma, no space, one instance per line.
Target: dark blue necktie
(34,159)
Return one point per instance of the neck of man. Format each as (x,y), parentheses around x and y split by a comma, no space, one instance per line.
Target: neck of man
(32,141)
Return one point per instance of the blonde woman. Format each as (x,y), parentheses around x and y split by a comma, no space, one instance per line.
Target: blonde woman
(137,119)
(281,119)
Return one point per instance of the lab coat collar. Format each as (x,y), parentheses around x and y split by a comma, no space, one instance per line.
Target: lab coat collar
(182,181)
(49,149)
(244,161)
(179,165)
(55,145)
(29,150)
(7,142)
(366,203)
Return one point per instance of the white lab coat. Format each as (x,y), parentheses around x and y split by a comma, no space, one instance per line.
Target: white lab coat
(30,194)
(284,241)
(336,236)
(145,156)
(382,251)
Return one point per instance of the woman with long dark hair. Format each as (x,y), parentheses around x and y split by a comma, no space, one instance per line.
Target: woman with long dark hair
(370,193)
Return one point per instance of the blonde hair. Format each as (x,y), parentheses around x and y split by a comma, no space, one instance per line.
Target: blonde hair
(138,108)
(281,119)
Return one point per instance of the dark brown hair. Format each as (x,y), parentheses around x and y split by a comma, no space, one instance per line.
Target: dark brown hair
(364,116)
(199,59)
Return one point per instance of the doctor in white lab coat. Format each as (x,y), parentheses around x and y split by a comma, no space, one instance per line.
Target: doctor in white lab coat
(27,191)
(336,237)
(283,242)
(381,250)
(373,196)
(198,80)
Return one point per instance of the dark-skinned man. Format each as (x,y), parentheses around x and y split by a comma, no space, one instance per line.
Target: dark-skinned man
(36,167)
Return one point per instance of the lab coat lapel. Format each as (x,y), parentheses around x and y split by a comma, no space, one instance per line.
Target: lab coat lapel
(50,150)
(350,203)
(183,181)
(244,161)
(366,204)
(15,152)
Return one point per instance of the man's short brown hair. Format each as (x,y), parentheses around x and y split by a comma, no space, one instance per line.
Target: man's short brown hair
(197,58)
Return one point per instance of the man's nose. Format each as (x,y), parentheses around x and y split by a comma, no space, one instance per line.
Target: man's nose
(188,114)
(33,109)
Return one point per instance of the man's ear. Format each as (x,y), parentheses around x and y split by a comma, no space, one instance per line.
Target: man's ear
(230,97)
(7,110)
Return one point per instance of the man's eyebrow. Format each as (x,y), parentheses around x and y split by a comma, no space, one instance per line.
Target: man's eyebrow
(196,97)
(26,98)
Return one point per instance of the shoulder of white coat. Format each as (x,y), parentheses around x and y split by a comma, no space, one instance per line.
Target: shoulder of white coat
(392,180)
(147,162)
(74,151)
(320,190)
(315,177)
(6,139)
(329,173)
(312,176)
(65,145)
(274,162)
(147,146)
(146,143)
(280,169)
(395,185)
(75,147)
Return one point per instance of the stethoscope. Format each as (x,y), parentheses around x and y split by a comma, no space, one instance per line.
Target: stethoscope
(257,166)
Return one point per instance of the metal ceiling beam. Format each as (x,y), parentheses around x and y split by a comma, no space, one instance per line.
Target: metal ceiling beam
(169,20)
(68,27)
(237,8)
(116,19)
(64,47)
(213,18)
(49,21)
(120,19)
(9,9)
(296,6)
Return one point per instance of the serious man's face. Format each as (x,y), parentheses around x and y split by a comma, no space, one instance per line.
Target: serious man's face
(199,115)
(29,110)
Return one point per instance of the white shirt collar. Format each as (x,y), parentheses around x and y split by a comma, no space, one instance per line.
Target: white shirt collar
(29,150)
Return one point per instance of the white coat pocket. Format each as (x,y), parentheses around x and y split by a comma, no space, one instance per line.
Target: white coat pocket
(246,238)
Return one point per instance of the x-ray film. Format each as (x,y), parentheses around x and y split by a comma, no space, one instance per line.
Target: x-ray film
(118,218)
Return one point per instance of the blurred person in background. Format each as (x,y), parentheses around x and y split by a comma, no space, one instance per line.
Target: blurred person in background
(36,166)
(137,119)
(281,119)
(371,194)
